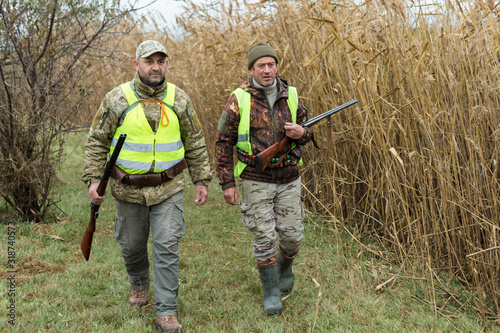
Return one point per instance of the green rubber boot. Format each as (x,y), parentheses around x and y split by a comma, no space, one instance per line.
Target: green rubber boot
(272,296)
(285,274)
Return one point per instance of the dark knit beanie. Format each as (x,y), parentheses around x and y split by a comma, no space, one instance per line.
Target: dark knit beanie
(260,50)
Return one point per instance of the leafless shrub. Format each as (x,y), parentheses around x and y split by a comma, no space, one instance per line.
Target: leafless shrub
(47,48)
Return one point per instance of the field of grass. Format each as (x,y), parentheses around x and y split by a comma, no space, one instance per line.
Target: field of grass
(342,285)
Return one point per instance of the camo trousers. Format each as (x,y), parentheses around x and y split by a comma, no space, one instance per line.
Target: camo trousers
(273,212)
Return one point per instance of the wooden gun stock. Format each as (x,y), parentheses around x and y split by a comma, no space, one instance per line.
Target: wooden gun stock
(265,157)
(86,244)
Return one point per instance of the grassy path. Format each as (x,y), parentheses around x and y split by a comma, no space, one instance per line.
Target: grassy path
(341,286)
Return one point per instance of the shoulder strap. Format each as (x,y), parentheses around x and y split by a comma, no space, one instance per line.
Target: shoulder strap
(169,97)
(293,102)
(131,96)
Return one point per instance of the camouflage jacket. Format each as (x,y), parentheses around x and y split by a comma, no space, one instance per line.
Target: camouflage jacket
(104,125)
(266,128)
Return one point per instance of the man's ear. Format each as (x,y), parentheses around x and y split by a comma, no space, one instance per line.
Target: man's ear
(136,64)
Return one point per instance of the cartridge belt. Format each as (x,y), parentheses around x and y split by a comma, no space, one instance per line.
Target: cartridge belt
(250,160)
(148,179)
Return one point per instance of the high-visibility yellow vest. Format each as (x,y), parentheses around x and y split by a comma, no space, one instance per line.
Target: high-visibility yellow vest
(142,146)
(244,125)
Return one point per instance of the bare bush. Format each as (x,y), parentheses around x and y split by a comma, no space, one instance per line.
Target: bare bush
(47,48)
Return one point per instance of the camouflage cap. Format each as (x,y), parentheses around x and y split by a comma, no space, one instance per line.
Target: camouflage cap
(149,47)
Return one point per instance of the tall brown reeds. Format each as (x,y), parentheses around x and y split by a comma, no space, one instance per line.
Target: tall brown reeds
(416,163)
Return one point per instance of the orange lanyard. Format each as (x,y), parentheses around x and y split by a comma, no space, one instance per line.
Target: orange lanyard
(163,110)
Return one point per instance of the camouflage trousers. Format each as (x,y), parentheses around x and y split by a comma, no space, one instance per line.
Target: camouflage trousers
(274,213)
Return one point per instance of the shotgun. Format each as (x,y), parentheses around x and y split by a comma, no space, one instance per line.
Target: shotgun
(94,209)
(265,157)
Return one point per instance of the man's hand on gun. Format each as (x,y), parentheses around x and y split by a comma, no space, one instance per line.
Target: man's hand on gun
(294,131)
(95,198)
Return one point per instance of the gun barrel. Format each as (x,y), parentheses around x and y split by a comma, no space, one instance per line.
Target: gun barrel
(314,120)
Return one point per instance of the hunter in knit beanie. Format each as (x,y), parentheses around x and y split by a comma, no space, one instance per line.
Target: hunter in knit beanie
(260,50)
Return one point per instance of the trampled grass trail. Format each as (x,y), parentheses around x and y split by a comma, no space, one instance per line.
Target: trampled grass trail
(342,285)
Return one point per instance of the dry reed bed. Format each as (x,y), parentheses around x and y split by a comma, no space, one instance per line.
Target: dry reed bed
(416,162)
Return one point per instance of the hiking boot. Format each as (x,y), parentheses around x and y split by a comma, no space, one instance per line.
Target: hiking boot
(269,279)
(168,323)
(285,274)
(138,297)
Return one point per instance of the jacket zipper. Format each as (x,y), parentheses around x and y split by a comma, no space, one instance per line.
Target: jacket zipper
(273,117)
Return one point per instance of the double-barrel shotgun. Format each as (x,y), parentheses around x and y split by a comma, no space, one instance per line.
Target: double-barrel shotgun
(94,209)
(281,148)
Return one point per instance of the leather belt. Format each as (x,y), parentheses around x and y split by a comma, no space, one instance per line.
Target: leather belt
(148,179)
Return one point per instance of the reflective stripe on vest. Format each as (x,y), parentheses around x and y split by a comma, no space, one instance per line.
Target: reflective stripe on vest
(142,146)
(244,104)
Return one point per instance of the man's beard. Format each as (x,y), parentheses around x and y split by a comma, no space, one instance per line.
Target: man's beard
(152,84)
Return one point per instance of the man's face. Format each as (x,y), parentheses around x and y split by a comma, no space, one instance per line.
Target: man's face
(152,69)
(264,71)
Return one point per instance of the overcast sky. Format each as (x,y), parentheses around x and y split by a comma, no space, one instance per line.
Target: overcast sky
(168,8)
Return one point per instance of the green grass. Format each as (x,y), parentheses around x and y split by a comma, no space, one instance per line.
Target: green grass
(336,277)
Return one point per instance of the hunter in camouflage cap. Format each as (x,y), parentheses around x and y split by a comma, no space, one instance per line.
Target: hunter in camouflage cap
(149,47)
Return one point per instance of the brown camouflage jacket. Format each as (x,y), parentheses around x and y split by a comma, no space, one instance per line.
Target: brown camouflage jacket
(266,128)
(104,125)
